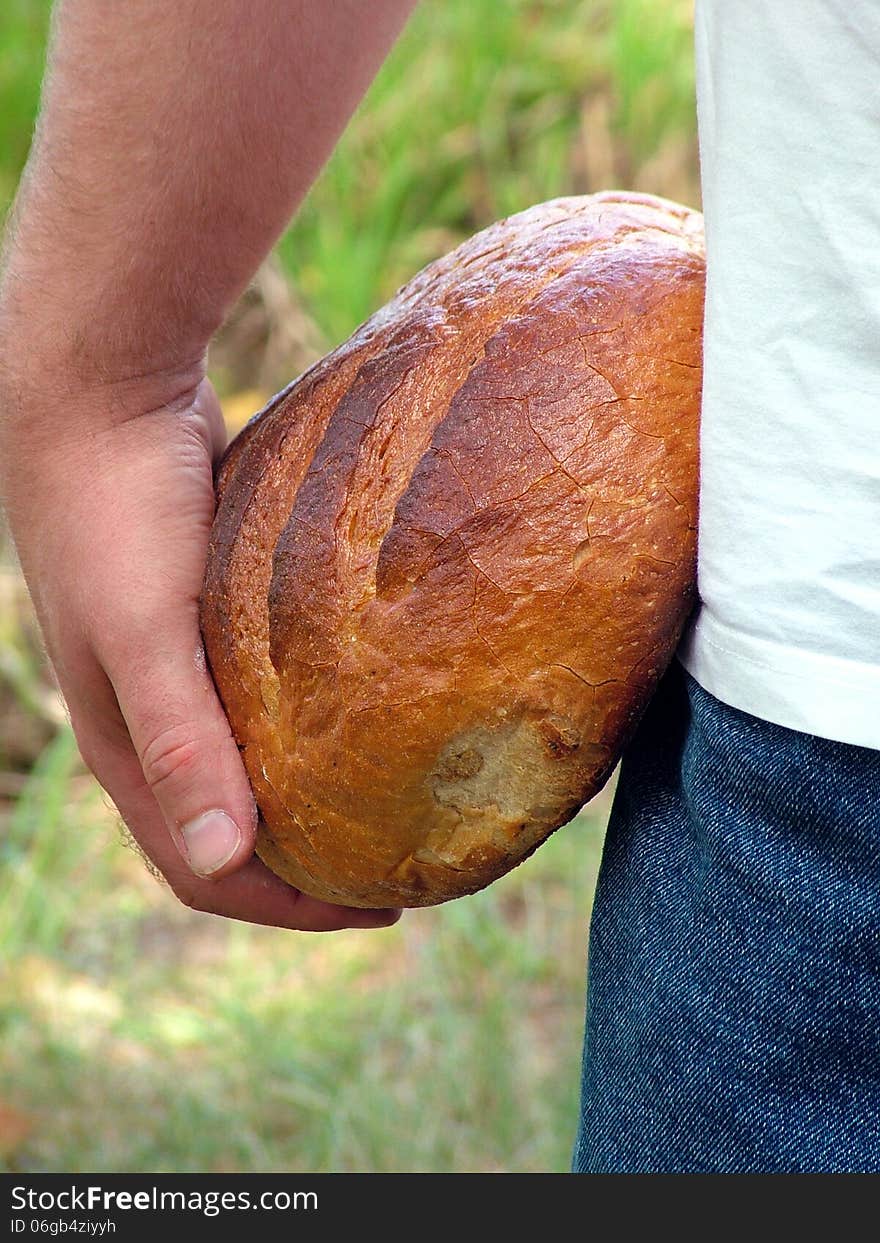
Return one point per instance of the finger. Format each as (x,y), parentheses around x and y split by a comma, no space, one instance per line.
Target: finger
(184,745)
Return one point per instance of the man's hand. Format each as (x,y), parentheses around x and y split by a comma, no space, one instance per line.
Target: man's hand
(112,527)
(173,145)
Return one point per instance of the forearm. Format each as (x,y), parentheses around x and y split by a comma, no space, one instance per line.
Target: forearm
(174,143)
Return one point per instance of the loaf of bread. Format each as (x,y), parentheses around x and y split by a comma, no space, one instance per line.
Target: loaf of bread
(451,561)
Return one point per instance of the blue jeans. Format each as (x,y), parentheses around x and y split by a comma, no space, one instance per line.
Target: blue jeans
(733,1009)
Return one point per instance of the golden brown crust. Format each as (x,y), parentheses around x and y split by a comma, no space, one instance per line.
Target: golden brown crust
(451,561)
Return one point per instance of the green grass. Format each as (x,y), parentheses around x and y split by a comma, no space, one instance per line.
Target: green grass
(135,1035)
(23,28)
(479,112)
(650,61)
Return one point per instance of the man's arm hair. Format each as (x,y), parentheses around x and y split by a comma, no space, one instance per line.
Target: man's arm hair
(175,141)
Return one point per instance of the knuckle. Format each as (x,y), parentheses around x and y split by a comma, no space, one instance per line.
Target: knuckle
(170,757)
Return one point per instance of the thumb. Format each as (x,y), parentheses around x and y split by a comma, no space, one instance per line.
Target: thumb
(188,756)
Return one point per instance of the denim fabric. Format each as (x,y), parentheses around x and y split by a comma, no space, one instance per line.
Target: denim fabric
(733,1009)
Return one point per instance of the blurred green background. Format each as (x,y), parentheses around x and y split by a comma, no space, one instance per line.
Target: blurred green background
(137,1035)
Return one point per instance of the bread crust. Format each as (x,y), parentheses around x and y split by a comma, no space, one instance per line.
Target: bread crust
(451,561)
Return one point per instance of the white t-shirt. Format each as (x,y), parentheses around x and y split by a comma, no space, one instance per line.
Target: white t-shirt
(788,102)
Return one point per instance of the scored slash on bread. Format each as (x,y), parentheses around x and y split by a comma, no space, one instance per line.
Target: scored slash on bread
(451,561)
